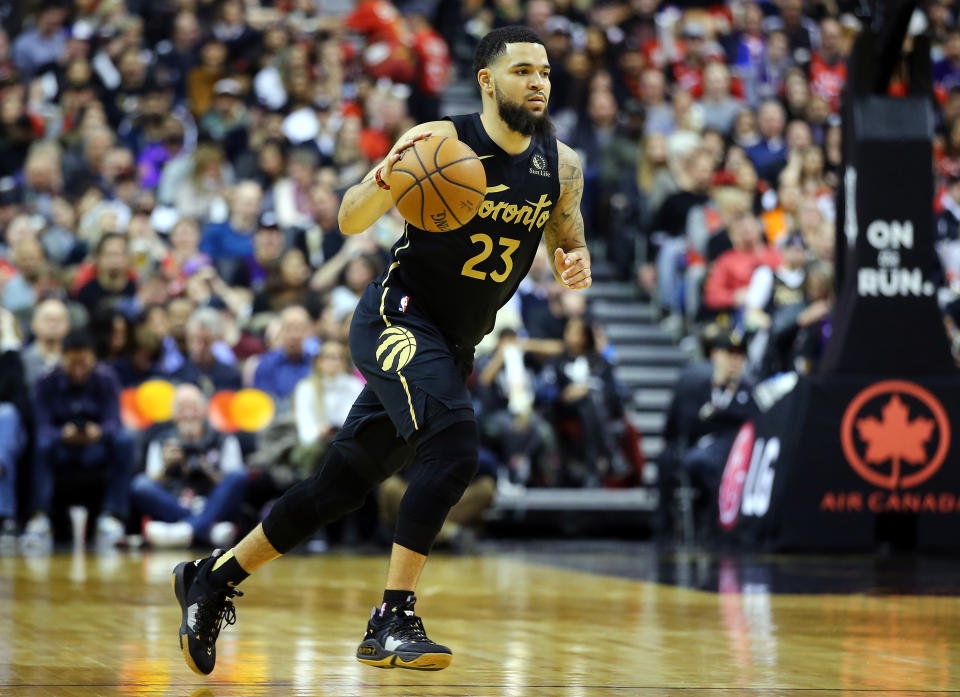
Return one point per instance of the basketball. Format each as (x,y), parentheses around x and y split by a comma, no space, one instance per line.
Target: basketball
(438,184)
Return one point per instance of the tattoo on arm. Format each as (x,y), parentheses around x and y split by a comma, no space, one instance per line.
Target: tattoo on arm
(565,227)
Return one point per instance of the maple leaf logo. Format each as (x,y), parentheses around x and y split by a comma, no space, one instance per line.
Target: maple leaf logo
(895,437)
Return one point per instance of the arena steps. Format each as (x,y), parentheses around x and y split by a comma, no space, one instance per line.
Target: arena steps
(648,361)
(638,377)
(646,354)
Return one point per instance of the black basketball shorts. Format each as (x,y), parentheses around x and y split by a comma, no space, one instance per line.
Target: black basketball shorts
(413,375)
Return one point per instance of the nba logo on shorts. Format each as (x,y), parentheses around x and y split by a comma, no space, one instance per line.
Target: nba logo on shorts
(403,303)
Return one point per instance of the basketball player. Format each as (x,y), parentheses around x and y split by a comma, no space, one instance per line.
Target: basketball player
(412,337)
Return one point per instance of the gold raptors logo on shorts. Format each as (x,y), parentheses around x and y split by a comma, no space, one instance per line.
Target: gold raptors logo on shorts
(395,348)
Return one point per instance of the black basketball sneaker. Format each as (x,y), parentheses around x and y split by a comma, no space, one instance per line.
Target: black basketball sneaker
(204,610)
(395,638)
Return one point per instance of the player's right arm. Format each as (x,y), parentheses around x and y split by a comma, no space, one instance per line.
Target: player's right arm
(364,203)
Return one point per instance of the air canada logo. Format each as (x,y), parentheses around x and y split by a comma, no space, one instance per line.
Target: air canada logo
(395,348)
(895,434)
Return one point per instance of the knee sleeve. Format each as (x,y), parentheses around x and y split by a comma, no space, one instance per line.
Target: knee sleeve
(351,468)
(444,466)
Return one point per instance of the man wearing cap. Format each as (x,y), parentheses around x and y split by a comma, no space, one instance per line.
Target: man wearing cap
(257,268)
(710,403)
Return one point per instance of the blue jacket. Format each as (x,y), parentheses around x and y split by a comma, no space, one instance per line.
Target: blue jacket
(278,376)
(221,241)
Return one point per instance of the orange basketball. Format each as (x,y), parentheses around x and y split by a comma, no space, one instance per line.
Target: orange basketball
(438,184)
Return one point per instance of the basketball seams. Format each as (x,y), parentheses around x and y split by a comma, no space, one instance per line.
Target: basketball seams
(435,187)
(438,169)
(423,222)
(406,191)
(456,162)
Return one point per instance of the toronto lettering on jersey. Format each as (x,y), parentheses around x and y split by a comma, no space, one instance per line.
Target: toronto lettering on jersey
(536,214)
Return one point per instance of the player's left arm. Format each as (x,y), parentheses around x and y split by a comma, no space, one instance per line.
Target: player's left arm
(563,234)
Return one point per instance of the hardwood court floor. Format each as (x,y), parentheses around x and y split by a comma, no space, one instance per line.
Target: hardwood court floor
(84,625)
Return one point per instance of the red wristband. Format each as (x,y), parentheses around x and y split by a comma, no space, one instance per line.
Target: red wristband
(382,184)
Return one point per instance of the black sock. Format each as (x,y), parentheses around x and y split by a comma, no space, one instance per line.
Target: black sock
(392,599)
(226,572)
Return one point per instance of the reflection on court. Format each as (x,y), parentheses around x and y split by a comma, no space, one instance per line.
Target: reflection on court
(82,625)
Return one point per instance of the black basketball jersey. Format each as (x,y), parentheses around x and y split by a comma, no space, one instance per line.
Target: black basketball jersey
(461,278)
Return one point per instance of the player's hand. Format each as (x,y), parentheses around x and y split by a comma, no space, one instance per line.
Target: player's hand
(397,152)
(574,268)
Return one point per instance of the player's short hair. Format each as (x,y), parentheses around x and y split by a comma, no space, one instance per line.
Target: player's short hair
(494,44)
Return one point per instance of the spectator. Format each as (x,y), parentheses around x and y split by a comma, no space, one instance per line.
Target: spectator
(948,232)
(193,483)
(261,267)
(226,121)
(586,403)
(729,277)
(321,402)
(50,325)
(772,293)
(80,442)
(946,71)
(20,292)
(711,401)
(659,114)
(610,160)
(289,287)
(232,240)
(828,70)
(769,155)
(16,425)
(179,311)
(814,321)
(801,31)
(292,194)
(506,388)
(201,367)
(359,272)
(678,224)
(193,182)
(769,81)
(112,285)
(281,369)
(720,108)
(43,45)
(320,241)
(184,257)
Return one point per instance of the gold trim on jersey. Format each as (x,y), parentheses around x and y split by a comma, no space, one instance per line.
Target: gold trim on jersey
(383,301)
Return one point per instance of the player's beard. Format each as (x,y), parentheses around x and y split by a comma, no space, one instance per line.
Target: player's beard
(520,119)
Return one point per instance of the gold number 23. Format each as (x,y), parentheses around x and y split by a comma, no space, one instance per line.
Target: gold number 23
(510,246)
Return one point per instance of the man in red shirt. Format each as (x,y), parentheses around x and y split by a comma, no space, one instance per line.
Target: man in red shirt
(730,274)
(828,70)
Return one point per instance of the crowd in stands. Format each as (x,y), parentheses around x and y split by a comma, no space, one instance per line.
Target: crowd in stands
(739,165)
(170,175)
